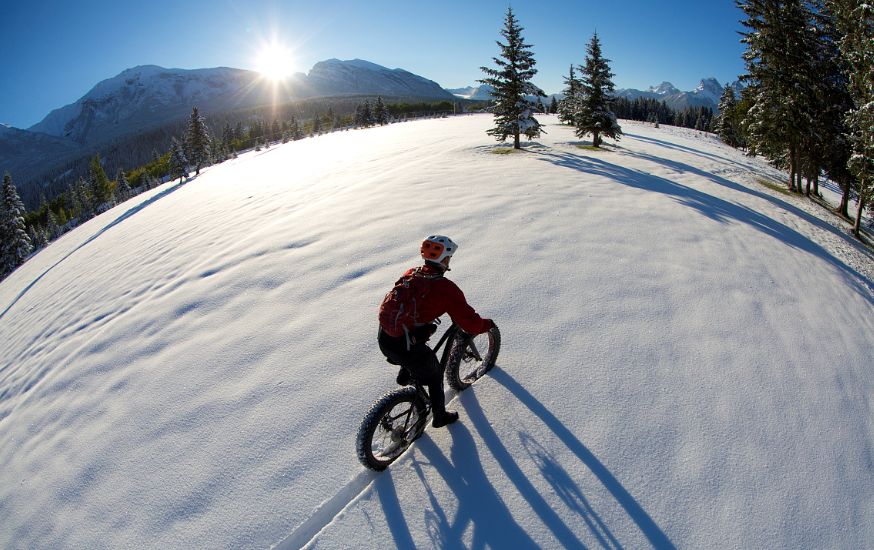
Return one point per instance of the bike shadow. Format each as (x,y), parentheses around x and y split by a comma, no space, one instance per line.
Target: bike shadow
(654,534)
(480,507)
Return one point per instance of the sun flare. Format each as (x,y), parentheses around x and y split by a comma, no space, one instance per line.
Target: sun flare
(274,61)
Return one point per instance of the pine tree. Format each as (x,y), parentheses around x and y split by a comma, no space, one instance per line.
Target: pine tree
(593,113)
(53,229)
(553,106)
(197,140)
(569,104)
(380,112)
(123,187)
(15,244)
(856,22)
(101,187)
(725,121)
(779,56)
(178,161)
(512,84)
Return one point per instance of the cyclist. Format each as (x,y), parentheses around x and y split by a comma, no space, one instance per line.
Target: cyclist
(438,295)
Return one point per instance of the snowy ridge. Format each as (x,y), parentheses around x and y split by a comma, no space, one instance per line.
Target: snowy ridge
(190,368)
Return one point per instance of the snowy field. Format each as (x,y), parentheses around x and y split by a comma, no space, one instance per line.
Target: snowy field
(687,355)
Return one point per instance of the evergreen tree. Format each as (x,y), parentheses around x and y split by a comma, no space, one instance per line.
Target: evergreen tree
(123,187)
(178,161)
(101,187)
(593,113)
(512,84)
(553,106)
(53,229)
(380,112)
(85,199)
(779,58)
(38,237)
(725,121)
(15,244)
(197,140)
(856,22)
(569,105)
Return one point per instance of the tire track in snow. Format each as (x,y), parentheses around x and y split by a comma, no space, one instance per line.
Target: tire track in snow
(327,511)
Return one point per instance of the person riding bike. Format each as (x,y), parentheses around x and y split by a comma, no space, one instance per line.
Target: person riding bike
(436,295)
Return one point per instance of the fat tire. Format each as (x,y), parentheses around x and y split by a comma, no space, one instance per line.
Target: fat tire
(453,377)
(383,406)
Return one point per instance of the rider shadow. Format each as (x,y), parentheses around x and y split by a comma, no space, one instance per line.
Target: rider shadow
(656,537)
(568,490)
(480,508)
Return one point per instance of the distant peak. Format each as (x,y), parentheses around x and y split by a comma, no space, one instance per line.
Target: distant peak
(664,88)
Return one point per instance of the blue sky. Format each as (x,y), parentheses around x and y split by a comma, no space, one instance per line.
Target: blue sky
(54,51)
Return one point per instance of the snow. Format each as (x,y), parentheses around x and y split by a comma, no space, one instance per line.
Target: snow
(686,355)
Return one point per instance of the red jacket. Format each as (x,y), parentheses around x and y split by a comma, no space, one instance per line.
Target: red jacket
(445,297)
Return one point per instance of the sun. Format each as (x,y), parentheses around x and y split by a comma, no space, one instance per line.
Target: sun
(274,61)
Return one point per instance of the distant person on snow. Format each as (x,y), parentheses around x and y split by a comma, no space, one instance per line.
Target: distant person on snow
(406,319)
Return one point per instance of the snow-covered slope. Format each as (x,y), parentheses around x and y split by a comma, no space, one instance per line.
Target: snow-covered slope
(686,355)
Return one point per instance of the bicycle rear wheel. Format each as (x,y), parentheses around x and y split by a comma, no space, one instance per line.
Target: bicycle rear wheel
(391,425)
(471,357)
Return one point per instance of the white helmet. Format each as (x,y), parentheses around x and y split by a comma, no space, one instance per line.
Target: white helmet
(436,248)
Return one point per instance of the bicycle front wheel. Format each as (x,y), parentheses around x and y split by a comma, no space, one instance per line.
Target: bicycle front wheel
(471,357)
(391,425)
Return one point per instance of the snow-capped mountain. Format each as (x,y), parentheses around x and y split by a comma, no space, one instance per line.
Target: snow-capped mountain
(706,94)
(335,77)
(149,95)
(482,92)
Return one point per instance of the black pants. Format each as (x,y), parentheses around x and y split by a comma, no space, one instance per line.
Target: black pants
(421,362)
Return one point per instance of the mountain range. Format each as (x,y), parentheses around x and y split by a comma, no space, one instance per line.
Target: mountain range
(706,94)
(147,97)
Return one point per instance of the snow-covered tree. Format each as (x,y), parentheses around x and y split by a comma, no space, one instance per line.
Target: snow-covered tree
(856,21)
(512,86)
(197,140)
(380,112)
(779,58)
(178,161)
(122,188)
(594,114)
(725,121)
(15,244)
(53,229)
(568,105)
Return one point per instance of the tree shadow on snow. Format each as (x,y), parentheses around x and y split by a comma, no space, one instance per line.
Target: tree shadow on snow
(656,537)
(130,212)
(715,208)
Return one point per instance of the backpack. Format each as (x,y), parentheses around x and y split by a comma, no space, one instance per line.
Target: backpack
(398,311)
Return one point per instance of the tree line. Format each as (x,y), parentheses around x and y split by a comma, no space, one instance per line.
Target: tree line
(190,147)
(809,102)
(808,105)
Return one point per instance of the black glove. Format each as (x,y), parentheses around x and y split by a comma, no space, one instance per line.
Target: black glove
(424,332)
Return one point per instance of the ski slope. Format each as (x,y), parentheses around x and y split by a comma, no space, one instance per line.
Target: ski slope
(686,356)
